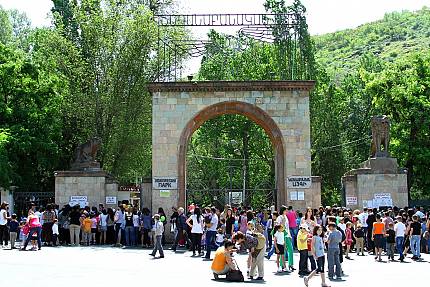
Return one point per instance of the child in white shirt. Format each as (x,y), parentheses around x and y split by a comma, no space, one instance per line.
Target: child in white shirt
(220,237)
(279,241)
(55,232)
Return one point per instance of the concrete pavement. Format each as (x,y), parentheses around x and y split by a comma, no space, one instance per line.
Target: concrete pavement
(107,266)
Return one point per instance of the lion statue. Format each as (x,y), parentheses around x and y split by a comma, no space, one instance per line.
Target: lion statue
(87,152)
(380,136)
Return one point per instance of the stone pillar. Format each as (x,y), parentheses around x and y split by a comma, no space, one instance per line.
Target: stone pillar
(7,195)
(146,193)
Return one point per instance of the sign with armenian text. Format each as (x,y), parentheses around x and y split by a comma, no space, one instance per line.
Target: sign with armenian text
(299,182)
(165,183)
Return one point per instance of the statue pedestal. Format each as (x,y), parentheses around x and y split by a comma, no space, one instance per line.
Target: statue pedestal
(84,166)
(378,182)
(90,186)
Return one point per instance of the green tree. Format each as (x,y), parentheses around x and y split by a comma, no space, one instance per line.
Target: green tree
(402,91)
(117,40)
(30,122)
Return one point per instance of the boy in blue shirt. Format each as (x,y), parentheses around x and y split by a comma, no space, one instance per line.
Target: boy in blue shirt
(13,231)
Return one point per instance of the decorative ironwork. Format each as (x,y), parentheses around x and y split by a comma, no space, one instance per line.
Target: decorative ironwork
(208,20)
(24,200)
(173,52)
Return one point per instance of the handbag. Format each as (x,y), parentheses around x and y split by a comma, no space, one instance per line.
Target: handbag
(235,275)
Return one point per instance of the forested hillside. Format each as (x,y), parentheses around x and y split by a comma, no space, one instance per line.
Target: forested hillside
(396,35)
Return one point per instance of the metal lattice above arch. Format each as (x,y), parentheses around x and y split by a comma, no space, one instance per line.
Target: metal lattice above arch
(279,29)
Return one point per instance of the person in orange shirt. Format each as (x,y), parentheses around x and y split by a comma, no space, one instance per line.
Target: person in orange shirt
(86,230)
(223,262)
(377,236)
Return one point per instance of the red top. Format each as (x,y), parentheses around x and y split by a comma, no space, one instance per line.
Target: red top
(34,222)
(291,215)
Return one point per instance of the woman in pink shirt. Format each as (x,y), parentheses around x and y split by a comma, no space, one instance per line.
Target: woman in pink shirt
(292,220)
(35,228)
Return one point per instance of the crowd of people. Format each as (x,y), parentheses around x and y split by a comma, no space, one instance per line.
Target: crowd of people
(329,234)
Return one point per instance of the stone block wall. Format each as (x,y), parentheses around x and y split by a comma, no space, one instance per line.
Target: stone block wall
(176,105)
(95,185)
(312,196)
(365,186)
(173,110)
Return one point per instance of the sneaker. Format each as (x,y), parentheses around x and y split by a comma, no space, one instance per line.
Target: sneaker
(259,278)
(280,269)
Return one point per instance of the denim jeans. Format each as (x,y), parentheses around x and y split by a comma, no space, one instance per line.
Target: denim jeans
(333,260)
(129,235)
(210,243)
(416,245)
(158,246)
(38,231)
(293,232)
(312,260)
(272,250)
(399,246)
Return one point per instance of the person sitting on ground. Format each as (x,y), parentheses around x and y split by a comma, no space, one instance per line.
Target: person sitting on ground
(223,263)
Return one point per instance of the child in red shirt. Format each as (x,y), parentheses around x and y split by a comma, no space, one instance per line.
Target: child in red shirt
(348,240)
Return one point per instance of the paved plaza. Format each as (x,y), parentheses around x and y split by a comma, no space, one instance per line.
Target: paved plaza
(106,266)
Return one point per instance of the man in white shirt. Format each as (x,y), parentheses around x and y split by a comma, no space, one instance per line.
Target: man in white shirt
(39,214)
(363,220)
(400,230)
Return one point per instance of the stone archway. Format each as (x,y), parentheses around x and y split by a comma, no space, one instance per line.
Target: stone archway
(252,112)
(281,108)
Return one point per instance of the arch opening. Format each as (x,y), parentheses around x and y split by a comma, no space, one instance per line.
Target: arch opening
(252,112)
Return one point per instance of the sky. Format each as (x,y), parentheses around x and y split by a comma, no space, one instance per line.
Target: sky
(323,16)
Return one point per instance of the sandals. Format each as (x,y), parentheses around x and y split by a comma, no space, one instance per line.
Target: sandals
(306,280)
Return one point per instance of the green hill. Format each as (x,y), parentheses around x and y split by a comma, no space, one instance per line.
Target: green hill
(396,35)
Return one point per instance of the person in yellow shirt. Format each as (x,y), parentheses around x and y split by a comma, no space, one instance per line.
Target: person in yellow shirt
(223,262)
(302,246)
(86,230)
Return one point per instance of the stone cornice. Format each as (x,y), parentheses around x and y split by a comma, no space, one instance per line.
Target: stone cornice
(227,86)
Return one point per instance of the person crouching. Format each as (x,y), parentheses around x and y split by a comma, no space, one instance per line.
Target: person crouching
(223,263)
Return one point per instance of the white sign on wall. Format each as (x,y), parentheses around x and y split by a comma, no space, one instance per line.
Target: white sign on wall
(111,200)
(80,200)
(165,183)
(351,200)
(297,195)
(299,182)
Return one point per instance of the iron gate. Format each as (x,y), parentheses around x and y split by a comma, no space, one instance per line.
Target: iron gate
(23,200)
(256,198)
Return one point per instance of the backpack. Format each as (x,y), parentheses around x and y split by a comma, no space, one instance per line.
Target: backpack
(261,240)
(359,233)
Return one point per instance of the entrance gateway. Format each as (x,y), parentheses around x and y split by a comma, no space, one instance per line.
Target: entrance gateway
(281,108)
